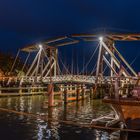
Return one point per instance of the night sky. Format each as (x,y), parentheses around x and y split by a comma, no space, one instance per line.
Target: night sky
(26,21)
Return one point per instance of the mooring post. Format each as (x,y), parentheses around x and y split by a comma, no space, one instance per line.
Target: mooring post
(61,88)
(65,95)
(77,93)
(83,92)
(129,89)
(122,88)
(91,92)
(116,87)
(94,91)
(99,91)
(67,86)
(80,86)
(70,87)
(50,95)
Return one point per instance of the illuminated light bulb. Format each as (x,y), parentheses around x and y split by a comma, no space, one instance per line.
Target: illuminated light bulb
(40,46)
(106,53)
(101,38)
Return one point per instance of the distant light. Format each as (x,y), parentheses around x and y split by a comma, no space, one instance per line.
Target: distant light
(106,53)
(101,38)
(40,46)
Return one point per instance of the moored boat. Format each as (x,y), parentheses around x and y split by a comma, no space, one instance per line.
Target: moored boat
(127,110)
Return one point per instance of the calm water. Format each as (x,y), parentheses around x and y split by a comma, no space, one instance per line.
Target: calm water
(18,127)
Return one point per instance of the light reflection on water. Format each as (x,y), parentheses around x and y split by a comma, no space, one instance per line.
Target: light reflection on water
(23,127)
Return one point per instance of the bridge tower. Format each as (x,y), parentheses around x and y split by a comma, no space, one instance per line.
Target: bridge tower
(109,56)
(45,63)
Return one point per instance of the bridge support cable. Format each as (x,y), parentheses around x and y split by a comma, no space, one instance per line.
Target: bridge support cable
(112,63)
(77,66)
(15,61)
(57,64)
(125,62)
(38,62)
(63,64)
(46,67)
(108,64)
(99,59)
(47,74)
(33,63)
(133,61)
(85,67)
(26,61)
(72,63)
(46,64)
(105,69)
(59,70)
(94,69)
(83,62)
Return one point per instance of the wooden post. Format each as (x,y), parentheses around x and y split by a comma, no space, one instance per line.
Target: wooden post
(70,87)
(67,86)
(83,92)
(61,88)
(77,93)
(116,85)
(65,95)
(91,92)
(50,95)
(94,91)
(127,90)
(99,90)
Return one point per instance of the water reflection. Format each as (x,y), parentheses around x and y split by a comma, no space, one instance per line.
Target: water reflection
(43,130)
(31,128)
(8,102)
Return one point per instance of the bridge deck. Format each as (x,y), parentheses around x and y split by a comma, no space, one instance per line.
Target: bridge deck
(66,79)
